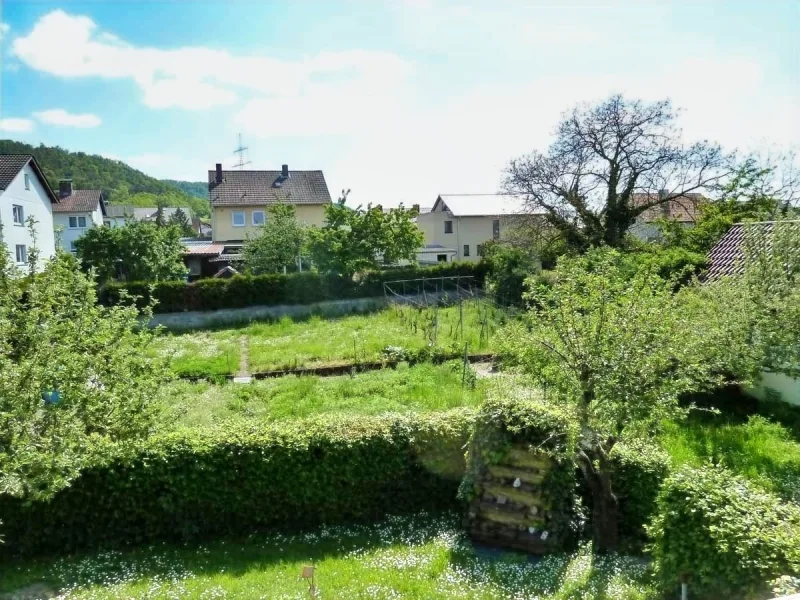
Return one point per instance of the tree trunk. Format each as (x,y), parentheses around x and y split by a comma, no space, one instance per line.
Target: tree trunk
(605,506)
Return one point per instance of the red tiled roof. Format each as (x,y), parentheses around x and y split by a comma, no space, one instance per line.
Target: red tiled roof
(204,250)
(684,209)
(79,201)
(727,256)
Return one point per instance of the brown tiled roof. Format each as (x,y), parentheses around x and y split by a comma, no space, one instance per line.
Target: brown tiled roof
(727,255)
(204,250)
(79,201)
(267,187)
(12,164)
(684,209)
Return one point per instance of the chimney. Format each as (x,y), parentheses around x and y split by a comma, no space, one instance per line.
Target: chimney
(64,188)
(285,171)
(219,172)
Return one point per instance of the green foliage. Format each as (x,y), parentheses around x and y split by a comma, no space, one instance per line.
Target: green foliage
(119,182)
(239,477)
(674,264)
(138,251)
(198,189)
(266,290)
(74,377)
(356,240)
(507,268)
(280,241)
(727,535)
(180,220)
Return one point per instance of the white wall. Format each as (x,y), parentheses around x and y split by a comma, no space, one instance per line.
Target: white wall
(68,235)
(470,231)
(36,203)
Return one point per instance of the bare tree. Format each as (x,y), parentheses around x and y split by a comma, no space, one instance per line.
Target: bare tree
(609,164)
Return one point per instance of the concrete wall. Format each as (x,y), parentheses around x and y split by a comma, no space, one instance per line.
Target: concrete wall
(35,202)
(777,384)
(223,230)
(68,234)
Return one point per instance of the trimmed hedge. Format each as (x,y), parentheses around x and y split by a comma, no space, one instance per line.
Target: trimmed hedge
(266,290)
(727,536)
(238,478)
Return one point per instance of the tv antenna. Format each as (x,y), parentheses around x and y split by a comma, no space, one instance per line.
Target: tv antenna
(240,150)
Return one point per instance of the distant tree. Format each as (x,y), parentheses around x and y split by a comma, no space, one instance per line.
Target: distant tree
(601,157)
(74,376)
(357,239)
(160,220)
(278,244)
(180,220)
(139,251)
(619,349)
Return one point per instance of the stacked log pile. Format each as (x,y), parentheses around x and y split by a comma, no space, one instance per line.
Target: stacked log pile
(511,508)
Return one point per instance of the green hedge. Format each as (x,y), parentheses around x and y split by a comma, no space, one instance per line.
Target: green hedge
(265,290)
(727,536)
(238,478)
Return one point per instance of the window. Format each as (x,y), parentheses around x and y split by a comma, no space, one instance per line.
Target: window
(22,254)
(27,181)
(480,250)
(448,227)
(258,217)
(466,249)
(238,218)
(72,247)
(19,215)
(496,229)
(441,257)
(77,222)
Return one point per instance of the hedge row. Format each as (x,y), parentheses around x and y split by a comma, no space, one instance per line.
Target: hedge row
(725,536)
(265,290)
(238,478)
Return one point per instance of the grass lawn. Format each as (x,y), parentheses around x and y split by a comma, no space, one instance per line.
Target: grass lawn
(416,558)
(424,387)
(323,341)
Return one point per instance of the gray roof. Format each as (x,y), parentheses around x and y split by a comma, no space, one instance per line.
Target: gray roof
(244,188)
(483,205)
(79,201)
(149,213)
(727,255)
(12,164)
(119,210)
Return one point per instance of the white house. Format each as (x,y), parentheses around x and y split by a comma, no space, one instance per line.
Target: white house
(117,215)
(77,211)
(458,225)
(25,193)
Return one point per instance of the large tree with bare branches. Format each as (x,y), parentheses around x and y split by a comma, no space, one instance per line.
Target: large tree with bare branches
(610,163)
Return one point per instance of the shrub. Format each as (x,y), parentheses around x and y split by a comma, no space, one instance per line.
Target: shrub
(239,477)
(265,290)
(728,536)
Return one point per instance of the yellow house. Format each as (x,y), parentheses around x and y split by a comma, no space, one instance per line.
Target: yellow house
(458,225)
(239,199)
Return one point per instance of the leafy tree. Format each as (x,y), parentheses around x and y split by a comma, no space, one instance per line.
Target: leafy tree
(279,243)
(354,240)
(74,376)
(619,349)
(507,270)
(139,251)
(180,220)
(601,157)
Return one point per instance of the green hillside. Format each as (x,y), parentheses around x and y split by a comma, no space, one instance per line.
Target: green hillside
(120,183)
(198,189)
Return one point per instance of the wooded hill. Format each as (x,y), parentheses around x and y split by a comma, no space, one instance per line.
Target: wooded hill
(121,184)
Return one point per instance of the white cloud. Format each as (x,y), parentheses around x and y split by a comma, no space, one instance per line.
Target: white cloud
(16,125)
(60,117)
(191,77)
(4,29)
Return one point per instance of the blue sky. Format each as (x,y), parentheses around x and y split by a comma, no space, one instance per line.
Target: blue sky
(398,100)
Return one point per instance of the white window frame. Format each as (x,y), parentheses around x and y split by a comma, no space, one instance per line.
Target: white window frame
(77,222)
(233,218)
(24,253)
(263,217)
(27,181)
(18,209)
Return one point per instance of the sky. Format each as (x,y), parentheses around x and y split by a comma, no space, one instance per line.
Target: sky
(399,100)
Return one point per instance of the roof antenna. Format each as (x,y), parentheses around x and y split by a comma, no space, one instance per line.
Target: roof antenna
(240,150)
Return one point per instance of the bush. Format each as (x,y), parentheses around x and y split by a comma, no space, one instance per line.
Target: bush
(240,477)
(728,536)
(507,268)
(265,290)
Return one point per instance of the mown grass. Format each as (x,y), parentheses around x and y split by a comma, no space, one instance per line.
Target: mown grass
(320,341)
(424,387)
(415,558)
(759,449)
